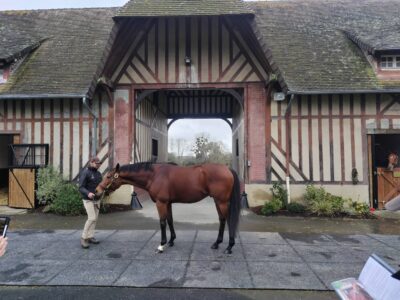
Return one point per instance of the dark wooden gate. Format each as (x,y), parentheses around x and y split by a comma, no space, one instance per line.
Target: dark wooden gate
(388,185)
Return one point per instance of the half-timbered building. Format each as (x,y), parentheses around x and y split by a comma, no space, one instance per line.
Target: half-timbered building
(310,90)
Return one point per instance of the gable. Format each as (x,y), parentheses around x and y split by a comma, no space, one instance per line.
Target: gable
(214,45)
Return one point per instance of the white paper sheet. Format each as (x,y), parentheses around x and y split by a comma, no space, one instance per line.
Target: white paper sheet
(376,277)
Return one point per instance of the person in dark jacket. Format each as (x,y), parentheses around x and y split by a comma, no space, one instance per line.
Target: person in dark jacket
(88,181)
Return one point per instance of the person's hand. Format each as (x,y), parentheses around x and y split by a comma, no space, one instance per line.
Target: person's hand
(3,245)
(91,196)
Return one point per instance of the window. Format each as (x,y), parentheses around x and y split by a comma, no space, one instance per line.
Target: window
(3,75)
(154,149)
(237,147)
(390,62)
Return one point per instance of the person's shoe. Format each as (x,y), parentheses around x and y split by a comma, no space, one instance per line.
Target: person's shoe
(84,243)
(93,241)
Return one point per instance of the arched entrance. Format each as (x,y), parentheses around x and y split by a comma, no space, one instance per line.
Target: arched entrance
(153,109)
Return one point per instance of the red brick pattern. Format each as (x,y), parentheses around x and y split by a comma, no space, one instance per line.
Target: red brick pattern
(121,139)
(255,112)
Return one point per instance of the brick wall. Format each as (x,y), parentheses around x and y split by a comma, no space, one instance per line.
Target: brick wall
(255,100)
(121,138)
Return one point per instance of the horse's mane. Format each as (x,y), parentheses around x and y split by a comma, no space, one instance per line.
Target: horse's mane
(145,166)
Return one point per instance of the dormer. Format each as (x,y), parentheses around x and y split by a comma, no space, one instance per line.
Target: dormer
(381,48)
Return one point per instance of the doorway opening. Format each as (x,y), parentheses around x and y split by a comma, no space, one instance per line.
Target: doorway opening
(5,141)
(157,110)
(385,180)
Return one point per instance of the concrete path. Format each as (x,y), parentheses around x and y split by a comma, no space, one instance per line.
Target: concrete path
(261,260)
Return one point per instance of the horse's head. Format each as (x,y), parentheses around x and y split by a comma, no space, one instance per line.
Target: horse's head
(110,182)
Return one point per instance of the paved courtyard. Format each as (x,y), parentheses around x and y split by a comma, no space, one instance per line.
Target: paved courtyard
(261,260)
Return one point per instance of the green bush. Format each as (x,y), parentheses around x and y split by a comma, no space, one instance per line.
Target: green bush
(49,183)
(358,208)
(320,202)
(279,193)
(271,207)
(279,198)
(68,201)
(296,208)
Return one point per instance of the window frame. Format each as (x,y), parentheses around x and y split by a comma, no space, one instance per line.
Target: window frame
(395,60)
(4,74)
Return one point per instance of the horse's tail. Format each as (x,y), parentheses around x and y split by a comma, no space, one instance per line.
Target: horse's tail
(234,205)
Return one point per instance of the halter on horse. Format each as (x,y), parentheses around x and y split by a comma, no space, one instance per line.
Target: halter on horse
(167,184)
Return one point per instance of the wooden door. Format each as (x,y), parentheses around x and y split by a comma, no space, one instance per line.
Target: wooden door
(388,185)
(21,188)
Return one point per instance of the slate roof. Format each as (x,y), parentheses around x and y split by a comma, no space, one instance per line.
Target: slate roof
(158,8)
(309,45)
(69,46)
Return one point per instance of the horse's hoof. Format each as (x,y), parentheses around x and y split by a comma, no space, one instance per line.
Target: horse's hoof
(160,249)
(228,251)
(171,244)
(214,246)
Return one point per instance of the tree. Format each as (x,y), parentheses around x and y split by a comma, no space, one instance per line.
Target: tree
(209,151)
(201,148)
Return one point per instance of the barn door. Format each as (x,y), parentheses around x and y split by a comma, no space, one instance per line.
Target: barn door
(388,185)
(22,188)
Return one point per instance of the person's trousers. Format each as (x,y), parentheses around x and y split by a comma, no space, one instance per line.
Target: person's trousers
(92,210)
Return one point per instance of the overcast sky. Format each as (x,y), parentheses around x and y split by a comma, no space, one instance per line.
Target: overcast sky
(217,130)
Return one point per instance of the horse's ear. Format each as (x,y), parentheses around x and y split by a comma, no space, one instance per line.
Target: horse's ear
(117,168)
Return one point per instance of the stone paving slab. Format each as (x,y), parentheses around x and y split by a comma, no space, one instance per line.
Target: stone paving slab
(128,258)
(153,273)
(329,272)
(355,240)
(264,252)
(29,272)
(283,275)
(328,254)
(91,272)
(390,240)
(223,274)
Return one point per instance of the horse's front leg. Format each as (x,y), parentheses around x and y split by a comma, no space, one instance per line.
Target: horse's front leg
(171,225)
(162,212)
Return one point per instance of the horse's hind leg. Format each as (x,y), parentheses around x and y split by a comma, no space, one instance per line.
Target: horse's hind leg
(222,211)
(162,212)
(171,225)
(228,250)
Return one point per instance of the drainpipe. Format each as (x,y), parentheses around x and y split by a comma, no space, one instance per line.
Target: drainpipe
(94,144)
(288,147)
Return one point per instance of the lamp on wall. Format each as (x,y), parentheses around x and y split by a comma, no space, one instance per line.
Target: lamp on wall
(188,60)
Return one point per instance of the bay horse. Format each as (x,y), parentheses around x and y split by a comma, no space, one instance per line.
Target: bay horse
(169,183)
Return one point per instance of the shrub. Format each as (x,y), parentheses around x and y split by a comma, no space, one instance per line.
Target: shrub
(320,202)
(49,183)
(68,201)
(358,208)
(271,207)
(279,198)
(279,192)
(296,208)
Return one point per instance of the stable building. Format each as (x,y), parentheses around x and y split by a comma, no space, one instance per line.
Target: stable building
(310,90)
